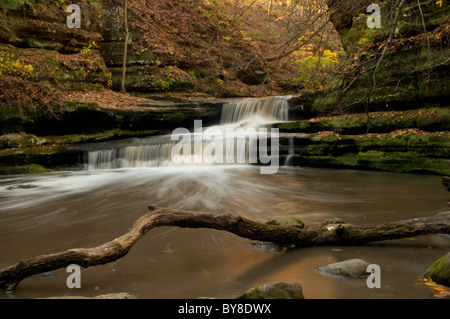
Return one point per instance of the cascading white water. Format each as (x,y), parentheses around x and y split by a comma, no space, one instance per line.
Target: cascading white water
(130,156)
(290,152)
(253,112)
(261,110)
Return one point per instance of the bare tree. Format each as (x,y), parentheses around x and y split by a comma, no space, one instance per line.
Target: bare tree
(124,68)
(330,235)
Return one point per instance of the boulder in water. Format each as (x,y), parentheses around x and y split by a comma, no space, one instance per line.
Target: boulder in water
(277,290)
(353,268)
(439,271)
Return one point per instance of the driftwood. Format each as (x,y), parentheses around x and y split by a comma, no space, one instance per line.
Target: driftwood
(339,235)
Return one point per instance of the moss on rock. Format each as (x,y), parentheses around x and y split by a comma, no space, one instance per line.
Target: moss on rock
(439,271)
(429,119)
(38,169)
(278,290)
(20,140)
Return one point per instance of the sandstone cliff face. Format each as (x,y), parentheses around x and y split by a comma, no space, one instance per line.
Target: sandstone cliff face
(42,25)
(142,64)
(35,34)
(415,70)
(407,111)
(178,46)
(173,46)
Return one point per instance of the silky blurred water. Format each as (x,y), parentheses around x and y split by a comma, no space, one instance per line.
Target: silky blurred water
(47,213)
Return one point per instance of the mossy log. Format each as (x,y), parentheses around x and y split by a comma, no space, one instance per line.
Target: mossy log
(284,235)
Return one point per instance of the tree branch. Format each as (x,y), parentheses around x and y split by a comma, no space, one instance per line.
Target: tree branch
(285,235)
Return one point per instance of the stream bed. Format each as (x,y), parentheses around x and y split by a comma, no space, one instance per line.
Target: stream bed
(51,212)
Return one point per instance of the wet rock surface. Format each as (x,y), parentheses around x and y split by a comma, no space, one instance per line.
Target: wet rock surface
(352,268)
(439,271)
(277,290)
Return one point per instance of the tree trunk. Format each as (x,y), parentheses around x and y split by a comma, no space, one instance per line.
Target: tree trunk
(270,9)
(125,51)
(332,235)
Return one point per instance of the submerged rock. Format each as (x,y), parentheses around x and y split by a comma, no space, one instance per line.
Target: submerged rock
(277,290)
(439,271)
(354,268)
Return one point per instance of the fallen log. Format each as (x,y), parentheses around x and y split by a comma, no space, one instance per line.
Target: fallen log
(284,235)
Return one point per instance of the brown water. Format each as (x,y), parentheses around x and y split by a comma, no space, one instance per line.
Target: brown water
(47,213)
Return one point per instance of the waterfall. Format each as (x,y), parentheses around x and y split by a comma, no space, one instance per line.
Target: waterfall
(273,109)
(290,152)
(129,156)
(235,148)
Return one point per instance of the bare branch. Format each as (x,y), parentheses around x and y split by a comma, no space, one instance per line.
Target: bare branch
(240,226)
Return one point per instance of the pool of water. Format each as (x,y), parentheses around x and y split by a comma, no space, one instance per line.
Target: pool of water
(48,213)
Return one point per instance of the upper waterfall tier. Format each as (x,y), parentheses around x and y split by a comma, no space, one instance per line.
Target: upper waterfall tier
(266,110)
(230,143)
